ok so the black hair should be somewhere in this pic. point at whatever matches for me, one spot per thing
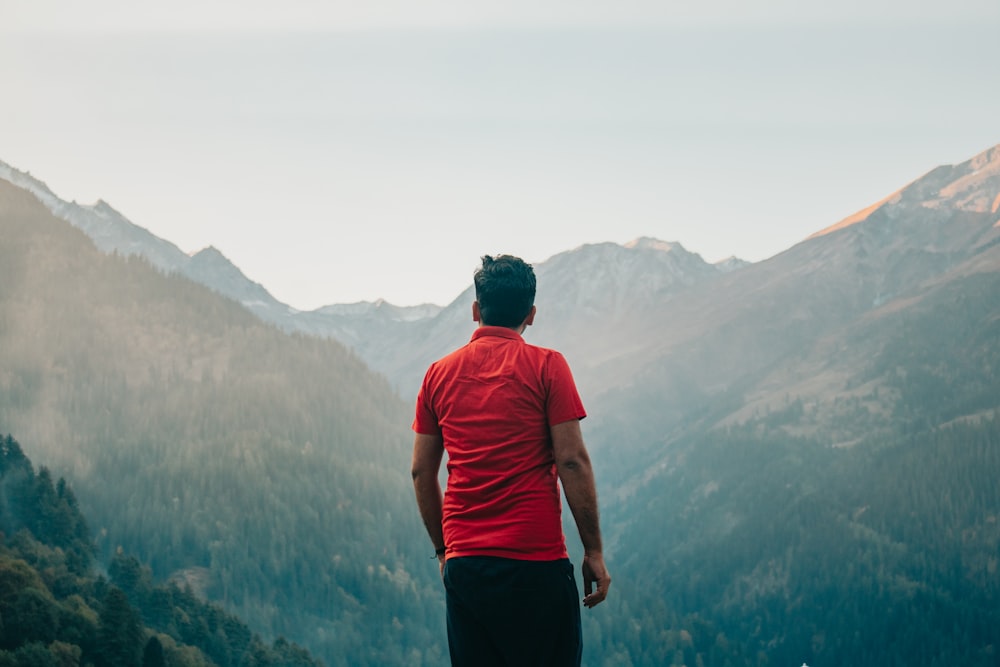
(505, 290)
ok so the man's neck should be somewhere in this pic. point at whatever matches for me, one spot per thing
(519, 330)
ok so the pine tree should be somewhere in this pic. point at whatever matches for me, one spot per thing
(120, 634)
(152, 655)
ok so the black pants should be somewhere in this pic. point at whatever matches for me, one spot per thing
(512, 613)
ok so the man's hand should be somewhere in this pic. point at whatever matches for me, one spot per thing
(577, 477)
(441, 564)
(594, 571)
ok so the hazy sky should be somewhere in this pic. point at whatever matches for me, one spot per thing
(340, 151)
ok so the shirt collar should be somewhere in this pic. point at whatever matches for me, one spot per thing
(499, 332)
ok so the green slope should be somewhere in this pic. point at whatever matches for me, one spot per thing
(268, 471)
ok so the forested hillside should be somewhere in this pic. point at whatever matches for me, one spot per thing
(881, 554)
(267, 471)
(57, 611)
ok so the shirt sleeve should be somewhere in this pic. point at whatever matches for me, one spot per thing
(425, 421)
(563, 400)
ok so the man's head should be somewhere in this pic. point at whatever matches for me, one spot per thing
(505, 291)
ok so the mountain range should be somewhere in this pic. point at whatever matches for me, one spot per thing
(112, 232)
(622, 278)
(795, 457)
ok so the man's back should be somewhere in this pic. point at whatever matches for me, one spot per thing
(492, 401)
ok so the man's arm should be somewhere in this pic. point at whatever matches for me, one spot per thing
(427, 453)
(577, 477)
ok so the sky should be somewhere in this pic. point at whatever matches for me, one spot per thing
(342, 151)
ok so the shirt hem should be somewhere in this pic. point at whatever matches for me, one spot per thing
(509, 554)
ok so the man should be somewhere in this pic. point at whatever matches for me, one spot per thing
(508, 414)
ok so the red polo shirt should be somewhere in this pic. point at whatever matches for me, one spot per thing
(493, 401)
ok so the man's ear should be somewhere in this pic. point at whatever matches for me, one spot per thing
(476, 317)
(530, 319)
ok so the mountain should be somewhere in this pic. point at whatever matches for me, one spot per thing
(649, 318)
(265, 471)
(588, 301)
(112, 232)
(618, 279)
(802, 453)
(619, 311)
(808, 321)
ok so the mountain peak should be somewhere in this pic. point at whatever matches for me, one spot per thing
(731, 263)
(650, 243)
(208, 252)
(988, 158)
(972, 186)
(104, 208)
